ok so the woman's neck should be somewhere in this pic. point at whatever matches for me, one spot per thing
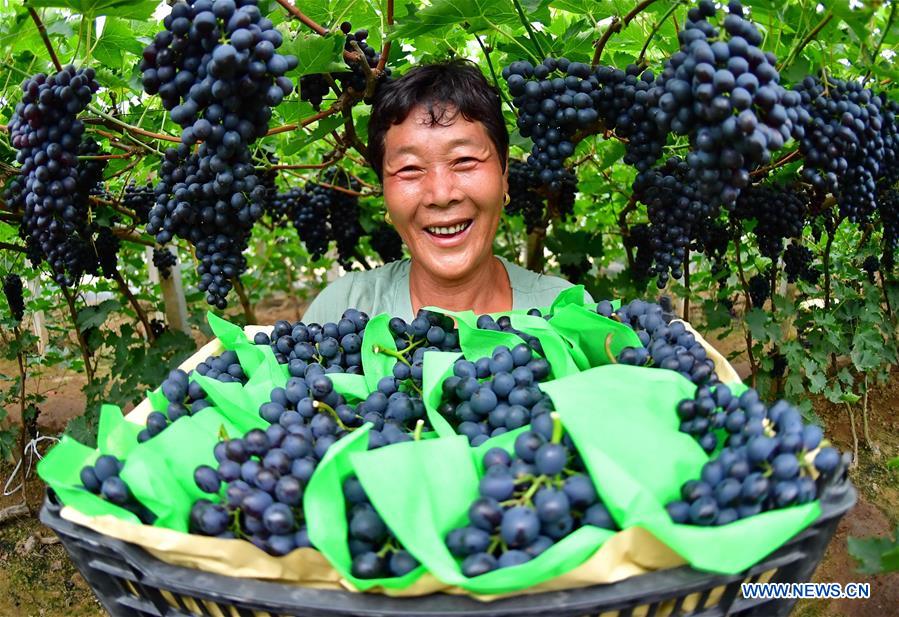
(485, 290)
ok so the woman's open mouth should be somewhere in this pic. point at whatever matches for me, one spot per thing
(448, 232)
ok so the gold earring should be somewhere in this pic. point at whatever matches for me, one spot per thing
(387, 218)
(506, 199)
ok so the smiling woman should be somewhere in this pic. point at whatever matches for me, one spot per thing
(439, 144)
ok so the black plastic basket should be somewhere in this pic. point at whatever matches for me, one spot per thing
(131, 582)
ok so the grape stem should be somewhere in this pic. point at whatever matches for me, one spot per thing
(608, 347)
(44, 37)
(527, 26)
(73, 313)
(248, 312)
(748, 304)
(557, 427)
(330, 410)
(617, 25)
(392, 353)
(318, 29)
(419, 425)
(805, 41)
(655, 29)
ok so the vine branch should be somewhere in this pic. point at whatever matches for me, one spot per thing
(85, 355)
(805, 41)
(293, 10)
(617, 25)
(44, 37)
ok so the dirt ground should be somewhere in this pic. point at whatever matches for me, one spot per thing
(38, 579)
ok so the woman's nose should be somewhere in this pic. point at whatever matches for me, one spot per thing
(441, 187)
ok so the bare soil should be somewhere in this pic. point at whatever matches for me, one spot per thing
(37, 579)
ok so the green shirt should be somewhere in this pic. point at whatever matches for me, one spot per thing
(386, 290)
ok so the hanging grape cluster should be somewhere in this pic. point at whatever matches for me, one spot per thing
(216, 69)
(555, 99)
(842, 140)
(325, 212)
(386, 242)
(315, 86)
(139, 199)
(164, 259)
(45, 131)
(798, 264)
(779, 213)
(12, 289)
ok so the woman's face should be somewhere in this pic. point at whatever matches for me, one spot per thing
(444, 186)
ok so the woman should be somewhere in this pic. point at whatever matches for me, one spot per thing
(439, 144)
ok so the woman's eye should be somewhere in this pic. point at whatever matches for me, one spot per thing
(466, 161)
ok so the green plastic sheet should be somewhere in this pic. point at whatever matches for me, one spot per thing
(586, 331)
(624, 423)
(423, 490)
(325, 510)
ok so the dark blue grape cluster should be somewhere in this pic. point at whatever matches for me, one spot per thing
(871, 265)
(524, 198)
(762, 465)
(45, 131)
(335, 346)
(102, 478)
(759, 289)
(555, 99)
(842, 139)
(186, 397)
(280, 206)
(889, 218)
(12, 289)
(666, 344)
(139, 199)
(386, 242)
(343, 213)
(164, 259)
(798, 264)
(376, 552)
(724, 93)
(494, 395)
(527, 501)
(216, 69)
(310, 213)
(779, 213)
(677, 213)
(624, 106)
(314, 87)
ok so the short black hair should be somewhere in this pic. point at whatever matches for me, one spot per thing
(444, 89)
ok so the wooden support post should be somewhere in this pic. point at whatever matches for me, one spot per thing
(172, 292)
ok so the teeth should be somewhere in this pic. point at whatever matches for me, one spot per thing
(446, 231)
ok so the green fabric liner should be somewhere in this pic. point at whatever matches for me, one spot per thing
(586, 330)
(638, 459)
(571, 296)
(558, 352)
(160, 471)
(423, 490)
(233, 338)
(61, 466)
(377, 365)
(158, 401)
(325, 510)
(352, 387)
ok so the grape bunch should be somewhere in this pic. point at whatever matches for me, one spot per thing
(666, 344)
(889, 218)
(386, 242)
(90, 171)
(315, 87)
(871, 265)
(759, 289)
(216, 217)
(677, 214)
(343, 213)
(429, 331)
(45, 131)
(574, 272)
(164, 259)
(310, 218)
(102, 478)
(779, 213)
(524, 198)
(841, 140)
(724, 93)
(280, 207)
(216, 69)
(12, 289)
(528, 500)
(335, 346)
(624, 105)
(798, 264)
(763, 464)
(494, 395)
(639, 239)
(140, 200)
(375, 550)
(555, 99)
